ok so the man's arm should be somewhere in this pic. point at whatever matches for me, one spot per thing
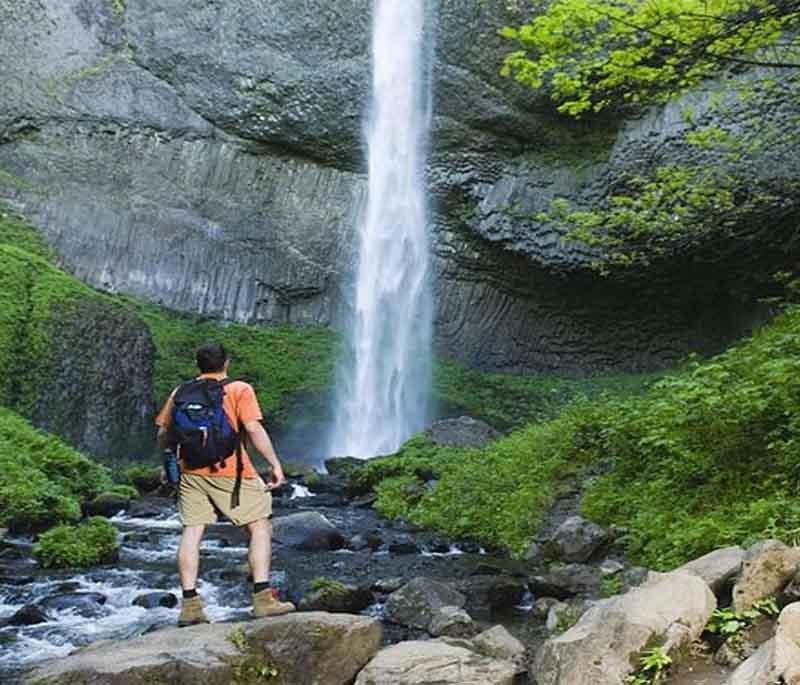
(163, 438)
(260, 439)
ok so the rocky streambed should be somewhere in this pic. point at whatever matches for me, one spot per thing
(46, 615)
(382, 603)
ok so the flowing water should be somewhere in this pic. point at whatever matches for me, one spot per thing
(384, 384)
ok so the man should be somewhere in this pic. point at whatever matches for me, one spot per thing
(205, 491)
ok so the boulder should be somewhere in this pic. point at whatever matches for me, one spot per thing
(29, 615)
(416, 603)
(717, 568)
(486, 593)
(452, 622)
(404, 544)
(576, 540)
(150, 507)
(86, 604)
(462, 432)
(154, 600)
(566, 580)
(778, 659)
(337, 598)
(388, 585)
(307, 530)
(602, 647)
(324, 649)
(435, 661)
(767, 569)
(106, 504)
(498, 643)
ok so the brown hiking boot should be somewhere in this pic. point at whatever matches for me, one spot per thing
(192, 612)
(265, 603)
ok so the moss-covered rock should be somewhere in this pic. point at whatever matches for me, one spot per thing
(44, 480)
(88, 544)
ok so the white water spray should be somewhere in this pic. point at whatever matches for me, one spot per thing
(384, 382)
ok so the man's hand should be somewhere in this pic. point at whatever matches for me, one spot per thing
(277, 479)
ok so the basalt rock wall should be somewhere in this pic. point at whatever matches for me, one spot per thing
(209, 157)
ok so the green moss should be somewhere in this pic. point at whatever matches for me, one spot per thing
(91, 543)
(279, 361)
(44, 480)
(328, 585)
(142, 477)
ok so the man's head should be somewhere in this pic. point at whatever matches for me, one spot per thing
(212, 358)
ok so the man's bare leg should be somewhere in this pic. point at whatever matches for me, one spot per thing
(189, 556)
(260, 554)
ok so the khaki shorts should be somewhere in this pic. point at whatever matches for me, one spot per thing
(201, 498)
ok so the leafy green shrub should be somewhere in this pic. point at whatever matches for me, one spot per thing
(397, 495)
(88, 544)
(44, 481)
(709, 457)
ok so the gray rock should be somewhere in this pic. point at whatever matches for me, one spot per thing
(314, 647)
(559, 618)
(106, 504)
(416, 603)
(154, 600)
(566, 580)
(452, 622)
(498, 643)
(487, 593)
(435, 661)
(86, 604)
(778, 659)
(717, 568)
(767, 569)
(307, 530)
(577, 540)
(29, 615)
(337, 598)
(601, 648)
(403, 544)
(389, 585)
(462, 432)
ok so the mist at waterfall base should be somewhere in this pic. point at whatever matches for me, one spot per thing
(384, 379)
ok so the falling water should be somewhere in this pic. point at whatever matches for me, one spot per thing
(384, 383)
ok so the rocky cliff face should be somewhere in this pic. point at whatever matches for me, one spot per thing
(208, 156)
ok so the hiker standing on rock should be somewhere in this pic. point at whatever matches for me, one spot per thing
(204, 422)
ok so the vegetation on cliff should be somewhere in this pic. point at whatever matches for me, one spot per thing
(618, 56)
(707, 457)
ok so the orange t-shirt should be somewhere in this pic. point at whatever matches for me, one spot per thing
(240, 405)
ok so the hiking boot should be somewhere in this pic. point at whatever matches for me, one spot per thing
(192, 612)
(265, 603)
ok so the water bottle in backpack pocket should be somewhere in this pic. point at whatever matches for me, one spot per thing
(202, 431)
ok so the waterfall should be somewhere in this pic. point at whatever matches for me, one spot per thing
(384, 381)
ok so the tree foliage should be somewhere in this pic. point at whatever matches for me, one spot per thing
(594, 54)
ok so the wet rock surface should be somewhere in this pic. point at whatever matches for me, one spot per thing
(242, 148)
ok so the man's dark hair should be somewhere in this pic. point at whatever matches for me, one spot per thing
(211, 358)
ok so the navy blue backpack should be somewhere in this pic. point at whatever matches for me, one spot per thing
(201, 429)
